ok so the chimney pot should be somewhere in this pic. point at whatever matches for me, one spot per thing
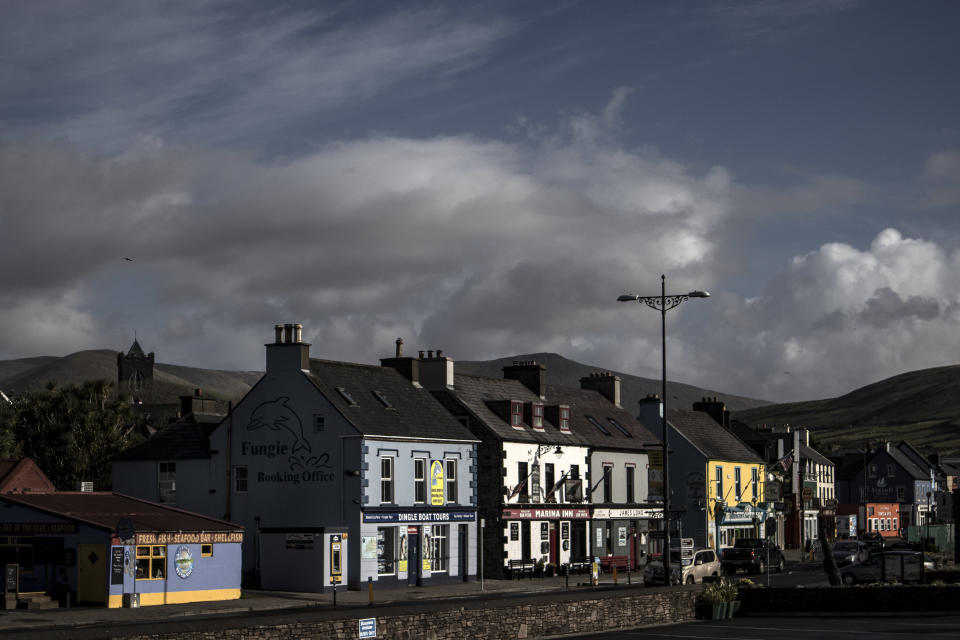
(399, 347)
(439, 353)
(288, 333)
(198, 392)
(298, 331)
(421, 355)
(429, 353)
(278, 329)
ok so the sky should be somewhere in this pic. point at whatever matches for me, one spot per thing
(486, 178)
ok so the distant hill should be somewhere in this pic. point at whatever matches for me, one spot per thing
(565, 372)
(170, 381)
(922, 407)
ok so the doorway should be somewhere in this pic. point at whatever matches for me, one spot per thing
(462, 551)
(554, 550)
(92, 573)
(413, 553)
(525, 539)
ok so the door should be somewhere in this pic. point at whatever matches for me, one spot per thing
(554, 551)
(92, 573)
(462, 552)
(578, 551)
(413, 553)
(525, 539)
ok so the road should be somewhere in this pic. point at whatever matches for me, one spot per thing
(900, 626)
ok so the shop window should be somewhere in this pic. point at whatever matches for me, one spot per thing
(152, 562)
(240, 478)
(439, 548)
(16, 550)
(386, 551)
(386, 480)
(167, 481)
(206, 551)
(419, 480)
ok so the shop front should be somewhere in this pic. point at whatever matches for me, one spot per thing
(556, 536)
(743, 521)
(625, 532)
(417, 547)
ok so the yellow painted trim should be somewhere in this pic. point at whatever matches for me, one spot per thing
(178, 597)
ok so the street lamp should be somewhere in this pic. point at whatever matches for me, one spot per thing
(664, 303)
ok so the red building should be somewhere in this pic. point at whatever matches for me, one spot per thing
(884, 518)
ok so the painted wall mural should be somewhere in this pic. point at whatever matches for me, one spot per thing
(291, 445)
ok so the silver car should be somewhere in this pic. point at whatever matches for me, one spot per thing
(850, 552)
(901, 566)
(702, 562)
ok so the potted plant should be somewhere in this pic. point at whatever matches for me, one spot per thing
(721, 596)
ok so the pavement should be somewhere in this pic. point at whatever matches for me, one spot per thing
(13, 622)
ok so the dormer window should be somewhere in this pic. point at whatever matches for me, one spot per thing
(536, 420)
(564, 418)
(516, 414)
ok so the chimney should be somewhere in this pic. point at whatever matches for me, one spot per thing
(651, 412)
(532, 375)
(409, 368)
(292, 354)
(715, 409)
(436, 371)
(606, 383)
(192, 404)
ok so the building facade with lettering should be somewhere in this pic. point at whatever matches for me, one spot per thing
(319, 448)
(108, 549)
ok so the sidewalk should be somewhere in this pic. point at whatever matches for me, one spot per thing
(254, 601)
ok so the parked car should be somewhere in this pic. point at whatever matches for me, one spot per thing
(902, 566)
(850, 552)
(752, 554)
(873, 540)
(690, 571)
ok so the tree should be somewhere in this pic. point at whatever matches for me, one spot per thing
(73, 432)
(829, 562)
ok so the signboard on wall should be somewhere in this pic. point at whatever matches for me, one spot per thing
(436, 484)
(116, 565)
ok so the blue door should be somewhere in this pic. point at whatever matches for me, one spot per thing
(413, 553)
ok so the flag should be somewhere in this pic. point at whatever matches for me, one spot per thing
(785, 461)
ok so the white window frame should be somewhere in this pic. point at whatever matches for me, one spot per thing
(451, 482)
(387, 480)
(419, 480)
(237, 478)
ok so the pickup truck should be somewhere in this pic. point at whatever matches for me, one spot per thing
(751, 554)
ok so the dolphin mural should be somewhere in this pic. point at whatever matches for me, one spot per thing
(277, 415)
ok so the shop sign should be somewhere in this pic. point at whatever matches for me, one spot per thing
(183, 562)
(627, 514)
(546, 514)
(116, 564)
(437, 497)
(14, 528)
(419, 516)
(204, 537)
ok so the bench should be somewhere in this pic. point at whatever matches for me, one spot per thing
(521, 568)
(608, 563)
(578, 566)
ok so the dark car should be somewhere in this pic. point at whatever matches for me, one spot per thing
(874, 540)
(850, 552)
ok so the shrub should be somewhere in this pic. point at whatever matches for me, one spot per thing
(717, 592)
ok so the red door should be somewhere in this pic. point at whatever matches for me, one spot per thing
(554, 551)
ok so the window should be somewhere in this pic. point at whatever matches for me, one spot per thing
(597, 424)
(346, 396)
(736, 483)
(901, 494)
(206, 551)
(151, 562)
(167, 481)
(318, 423)
(451, 481)
(516, 414)
(537, 417)
(386, 551)
(718, 482)
(438, 548)
(535, 483)
(386, 479)
(620, 427)
(564, 418)
(631, 496)
(870, 511)
(755, 483)
(891, 470)
(608, 483)
(522, 478)
(549, 480)
(419, 480)
(17, 550)
(240, 478)
(895, 523)
(383, 399)
(872, 470)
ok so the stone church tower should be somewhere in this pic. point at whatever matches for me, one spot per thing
(135, 374)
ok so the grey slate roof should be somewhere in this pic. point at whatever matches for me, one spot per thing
(414, 412)
(908, 465)
(809, 453)
(475, 392)
(185, 439)
(585, 403)
(710, 438)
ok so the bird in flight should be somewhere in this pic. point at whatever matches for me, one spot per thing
(129, 259)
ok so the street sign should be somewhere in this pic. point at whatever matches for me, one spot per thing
(368, 628)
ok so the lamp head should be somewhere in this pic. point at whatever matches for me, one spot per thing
(628, 297)
(698, 294)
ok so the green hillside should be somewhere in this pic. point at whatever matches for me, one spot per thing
(922, 407)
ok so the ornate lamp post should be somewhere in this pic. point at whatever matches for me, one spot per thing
(664, 303)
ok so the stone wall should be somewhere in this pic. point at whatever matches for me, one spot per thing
(504, 620)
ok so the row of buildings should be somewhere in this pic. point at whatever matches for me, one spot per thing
(411, 473)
